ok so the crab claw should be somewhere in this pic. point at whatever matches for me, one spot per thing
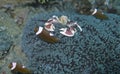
(68, 32)
(78, 26)
(49, 27)
(55, 19)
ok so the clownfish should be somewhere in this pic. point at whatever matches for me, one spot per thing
(18, 68)
(98, 14)
(45, 35)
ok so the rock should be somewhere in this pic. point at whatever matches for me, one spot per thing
(2, 28)
(4, 3)
(5, 44)
(20, 15)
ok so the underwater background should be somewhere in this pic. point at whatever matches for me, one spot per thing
(92, 48)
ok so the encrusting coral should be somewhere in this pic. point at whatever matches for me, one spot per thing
(6, 42)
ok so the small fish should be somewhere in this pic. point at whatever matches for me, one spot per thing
(15, 67)
(99, 14)
(45, 35)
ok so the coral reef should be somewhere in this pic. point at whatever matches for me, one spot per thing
(95, 50)
(110, 6)
(43, 1)
(6, 41)
(10, 49)
(14, 2)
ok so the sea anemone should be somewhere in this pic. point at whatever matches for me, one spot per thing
(94, 50)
